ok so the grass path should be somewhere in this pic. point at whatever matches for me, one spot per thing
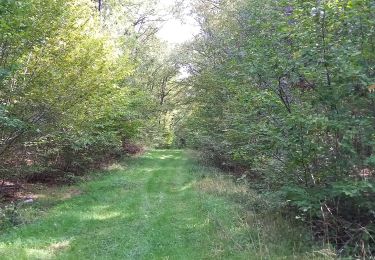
(159, 206)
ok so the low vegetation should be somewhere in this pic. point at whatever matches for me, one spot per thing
(160, 205)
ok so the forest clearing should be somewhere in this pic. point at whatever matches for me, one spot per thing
(248, 127)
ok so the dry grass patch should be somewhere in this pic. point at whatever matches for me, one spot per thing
(221, 186)
(70, 193)
(115, 167)
(59, 246)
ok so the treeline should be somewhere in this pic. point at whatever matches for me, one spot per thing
(281, 90)
(73, 84)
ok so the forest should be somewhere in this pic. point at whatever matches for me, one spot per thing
(277, 94)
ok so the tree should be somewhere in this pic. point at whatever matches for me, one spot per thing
(280, 87)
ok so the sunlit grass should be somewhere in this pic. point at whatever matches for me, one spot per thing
(160, 206)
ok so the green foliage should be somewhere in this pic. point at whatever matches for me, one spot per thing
(9, 216)
(281, 88)
(278, 89)
(65, 101)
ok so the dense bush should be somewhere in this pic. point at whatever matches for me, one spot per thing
(282, 89)
(68, 100)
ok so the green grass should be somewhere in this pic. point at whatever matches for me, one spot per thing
(161, 205)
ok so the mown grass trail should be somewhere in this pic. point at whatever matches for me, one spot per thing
(159, 206)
